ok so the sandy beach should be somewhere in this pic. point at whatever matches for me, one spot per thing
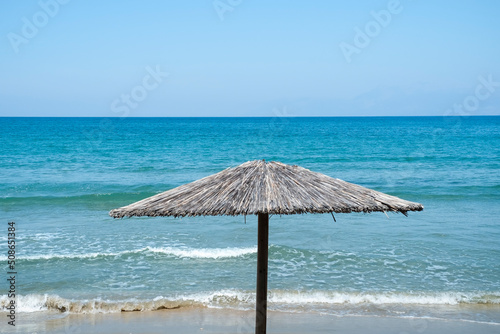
(207, 320)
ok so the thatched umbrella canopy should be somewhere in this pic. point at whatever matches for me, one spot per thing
(262, 188)
(265, 187)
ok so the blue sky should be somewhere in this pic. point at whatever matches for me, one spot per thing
(249, 58)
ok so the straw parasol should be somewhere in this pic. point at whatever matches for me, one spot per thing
(265, 188)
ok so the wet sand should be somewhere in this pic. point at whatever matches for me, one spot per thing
(229, 321)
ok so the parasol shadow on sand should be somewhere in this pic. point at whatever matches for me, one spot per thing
(265, 188)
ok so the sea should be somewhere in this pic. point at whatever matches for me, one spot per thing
(59, 178)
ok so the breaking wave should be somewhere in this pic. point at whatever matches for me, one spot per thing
(37, 303)
(245, 300)
(197, 253)
(205, 253)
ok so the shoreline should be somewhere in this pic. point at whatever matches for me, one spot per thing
(212, 320)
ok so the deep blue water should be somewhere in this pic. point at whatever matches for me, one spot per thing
(61, 176)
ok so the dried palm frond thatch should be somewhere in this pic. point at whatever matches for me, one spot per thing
(265, 187)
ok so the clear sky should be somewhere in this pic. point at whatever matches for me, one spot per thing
(249, 58)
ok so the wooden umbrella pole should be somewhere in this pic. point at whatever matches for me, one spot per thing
(262, 259)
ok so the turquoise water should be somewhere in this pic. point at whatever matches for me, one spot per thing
(61, 176)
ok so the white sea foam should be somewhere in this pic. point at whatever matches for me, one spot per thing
(202, 253)
(416, 298)
(246, 299)
(40, 303)
(69, 256)
(354, 298)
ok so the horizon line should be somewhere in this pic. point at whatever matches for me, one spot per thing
(289, 116)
